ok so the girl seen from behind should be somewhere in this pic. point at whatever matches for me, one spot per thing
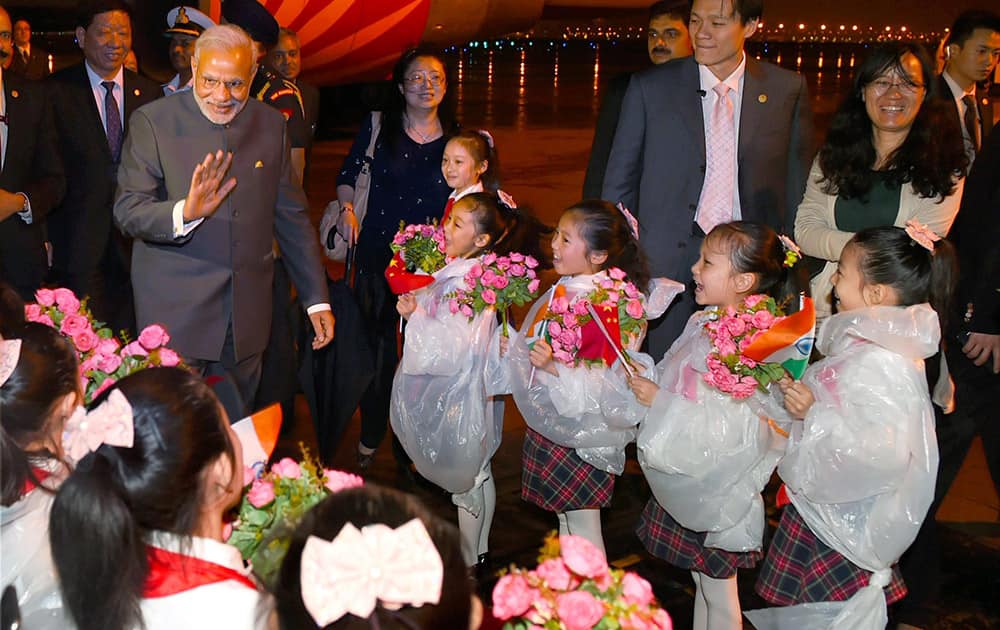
(373, 557)
(39, 389)
(136, 530)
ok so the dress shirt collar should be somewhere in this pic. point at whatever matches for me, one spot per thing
(956, 90)
(96, 80)
(475, 188)
(708, 80)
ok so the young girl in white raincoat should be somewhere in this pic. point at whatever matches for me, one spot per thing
(860, 468)
(581, 417)
(440, 409)
(706, 454)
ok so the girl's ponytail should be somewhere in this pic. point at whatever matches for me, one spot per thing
(605, 228)
(97, 547)
(16, 469)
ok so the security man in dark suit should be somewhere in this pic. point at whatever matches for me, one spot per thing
(31, 175)
(29, 60)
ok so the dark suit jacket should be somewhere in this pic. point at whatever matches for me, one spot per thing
(37, 66)
(982, 105)
(80, 226)
(222, 271)
(32, 166)
(657, 164)
(976, 236)
(604, 135)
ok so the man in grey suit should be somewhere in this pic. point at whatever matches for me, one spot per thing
(720, 118)
(202, 261)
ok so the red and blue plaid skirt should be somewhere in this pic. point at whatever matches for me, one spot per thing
(800, 568)
(665, 538)
(554, 477)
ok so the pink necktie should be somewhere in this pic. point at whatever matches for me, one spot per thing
(716, 203)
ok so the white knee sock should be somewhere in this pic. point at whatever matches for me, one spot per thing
(700, 607)
(475, 530)
(586, 524)
(489, 507)
(723, 602)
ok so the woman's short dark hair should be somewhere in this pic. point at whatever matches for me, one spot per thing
(755, 248)
(117, 495)
(46, 372)
(369, 505)
(930, 159)
(887, 255)
(395, 108)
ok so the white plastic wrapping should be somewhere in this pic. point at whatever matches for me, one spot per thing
(861, 468)
(439, 408)
(26, 561)
(589, 409)
(706, 455)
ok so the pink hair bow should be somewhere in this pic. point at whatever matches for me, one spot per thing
(359, 568)
(922, 234)
(633, 223)
(10, 352)
(110, 423)
(506, 199)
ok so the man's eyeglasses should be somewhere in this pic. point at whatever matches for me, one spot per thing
(881, 86)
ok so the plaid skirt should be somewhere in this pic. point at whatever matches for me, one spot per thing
(800, 568)
(665, 538)
(554, 478)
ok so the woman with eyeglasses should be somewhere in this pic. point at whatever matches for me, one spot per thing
(406, 185)
(892, 154)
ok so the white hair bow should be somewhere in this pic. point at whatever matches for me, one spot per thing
(110, 423)
(359, 568)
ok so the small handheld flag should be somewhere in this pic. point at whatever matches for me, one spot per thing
(789, 342)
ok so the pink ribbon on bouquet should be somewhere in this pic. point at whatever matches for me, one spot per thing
(110, 423)
(359, 568)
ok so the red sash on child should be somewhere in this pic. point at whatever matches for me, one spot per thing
(40, 476)
(171, 573)
(447, 210)
(781, 499)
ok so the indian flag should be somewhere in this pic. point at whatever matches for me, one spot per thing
(258, 434)
(789, 342)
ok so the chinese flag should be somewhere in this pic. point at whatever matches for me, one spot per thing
(402, 281)
(594, 345)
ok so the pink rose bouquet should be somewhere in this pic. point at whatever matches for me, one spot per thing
(732, 330)
(573, 588)
(574, 335)
(421, 246)
(273, 503)
(497, 282)
(103, 358)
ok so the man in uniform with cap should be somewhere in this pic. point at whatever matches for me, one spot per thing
(184, 25)
(268, 86)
